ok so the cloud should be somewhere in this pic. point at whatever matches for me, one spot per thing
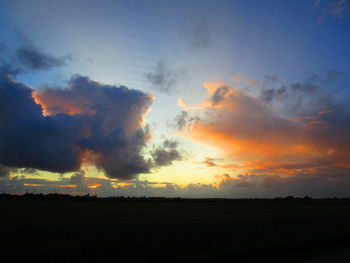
(88, 185)
(308, 97)
(23, 56)
(183, 120)
(166, 153)
(332, 8)
(210, 162)
(270, 94)
(60, 130)
(225, 186)
(78, 178)
(5, 171)
(28, 171)
(270, 186)
(163, 78)
(339, 7)
(300, 129)
(34, 59)
(28, 139)
(199, 34)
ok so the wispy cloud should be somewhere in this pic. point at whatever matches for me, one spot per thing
(34, 59)
(199, 34)
(24, 56)
(336, 9)
(183, 120)
(163, 78)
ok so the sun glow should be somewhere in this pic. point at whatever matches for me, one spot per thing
(93, 186)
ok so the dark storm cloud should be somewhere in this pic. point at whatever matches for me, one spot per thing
(166, 153)
(113, 116)
(123, 159)
(163, 78)
(32, 58)
(85, 122)
(6, 171)
(28, 139)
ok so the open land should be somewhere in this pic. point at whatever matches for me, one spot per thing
(58, 228)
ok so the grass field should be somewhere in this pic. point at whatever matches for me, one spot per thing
(146, 230)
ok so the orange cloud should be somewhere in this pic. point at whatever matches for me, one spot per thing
(121, 184)
(218, 92)
(33, 185)
(93, 186)
(264, 141)
(53, 104)
(66, 186)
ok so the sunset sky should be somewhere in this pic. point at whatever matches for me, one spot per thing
(236, 99)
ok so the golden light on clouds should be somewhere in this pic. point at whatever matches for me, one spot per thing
(93, 186)
(260, 140)
(52, 104)
(66, 186)
(33, 185)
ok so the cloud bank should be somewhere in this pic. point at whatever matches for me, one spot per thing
(225, 186)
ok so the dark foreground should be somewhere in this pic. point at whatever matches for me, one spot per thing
(63, 229)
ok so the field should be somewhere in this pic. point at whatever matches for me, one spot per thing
(63, 229)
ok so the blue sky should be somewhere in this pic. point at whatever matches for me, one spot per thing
(171, 48)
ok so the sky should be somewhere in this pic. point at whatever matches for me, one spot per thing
(233, 99)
